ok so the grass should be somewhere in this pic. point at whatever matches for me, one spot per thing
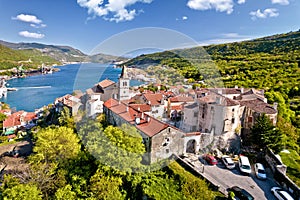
(292, 161)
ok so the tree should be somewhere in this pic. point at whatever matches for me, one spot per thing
(121, 148)
(56, 144)
(105, 187)
(65, 193)
(22, 192)
(264, 134)
(65, 118)
(2, 118)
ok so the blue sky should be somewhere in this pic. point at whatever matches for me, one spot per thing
(84, 24)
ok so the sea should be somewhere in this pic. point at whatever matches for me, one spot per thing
(34, 92)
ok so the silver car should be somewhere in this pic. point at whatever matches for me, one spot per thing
(228, 162)
(281, 194)
(260, 171)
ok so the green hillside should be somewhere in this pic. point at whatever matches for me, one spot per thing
(30, 58)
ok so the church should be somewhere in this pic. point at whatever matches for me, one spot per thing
(95, 97)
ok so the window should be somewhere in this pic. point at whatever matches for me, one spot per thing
(193, 128)
(195, 114)
(166, 142)
(124, 83)
(167, 150)
(250, 119)
(232, 120)
(232, 109)
(169, 130)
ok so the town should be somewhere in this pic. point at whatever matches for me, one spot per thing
(195, 126)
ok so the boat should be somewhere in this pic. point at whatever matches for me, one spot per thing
(11, 89)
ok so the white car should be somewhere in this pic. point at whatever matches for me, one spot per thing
(260, 171)
(228, 162)
(281, 194)
(244, 165)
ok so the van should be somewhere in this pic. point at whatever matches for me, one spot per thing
(244, 165)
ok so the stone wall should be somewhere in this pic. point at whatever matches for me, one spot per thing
(279, 169)
(169, 141)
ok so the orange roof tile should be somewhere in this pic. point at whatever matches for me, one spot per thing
(181, 99)
(150, 128)
(154, 99)
(105, 83)
(141, 107)
(259, 106)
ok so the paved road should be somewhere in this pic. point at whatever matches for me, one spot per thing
(226, 178)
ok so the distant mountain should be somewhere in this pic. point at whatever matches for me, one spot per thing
(28, 58)
(59, 53)
(62, 54)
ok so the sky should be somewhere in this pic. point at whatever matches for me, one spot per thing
(83, 24)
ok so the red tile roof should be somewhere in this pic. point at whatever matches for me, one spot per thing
(178, 107)
(212, 98)
(154, 99)
(68, 100)
(181, 99)
(105, 83)
(141, 107)
(259, 106)
(150, 128)
(15, 118)
(192, 134)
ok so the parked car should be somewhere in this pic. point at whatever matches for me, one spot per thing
(260, 171)
(210, 159)
(240, 193)
(244, 165)
(281, 194)
(228, 162)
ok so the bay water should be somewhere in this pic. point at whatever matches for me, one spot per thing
(34, 92)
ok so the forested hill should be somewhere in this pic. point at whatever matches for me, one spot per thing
(29, 58)
(280, 43)
(59, 53)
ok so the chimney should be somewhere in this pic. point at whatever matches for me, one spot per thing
(127, 108)
(139, 109)
(142, 115)
(242, 90)
(137, 120)
(149, 102)
(275, 105)
(147, 118)
(220, 91)
(236, 87)
(218, 100)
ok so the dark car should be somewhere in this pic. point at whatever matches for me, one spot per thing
(210, 159)
(240, 193)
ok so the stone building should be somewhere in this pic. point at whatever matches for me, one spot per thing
(161, 140)
(223, 114)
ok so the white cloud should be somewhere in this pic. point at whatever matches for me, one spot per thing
(184, 17)
(241, 1)
(269, 12)
(38, 25)
(31, 35)
(28, 18)
(281, 2)
(218, 5)
(226, 38)
(114, 10)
